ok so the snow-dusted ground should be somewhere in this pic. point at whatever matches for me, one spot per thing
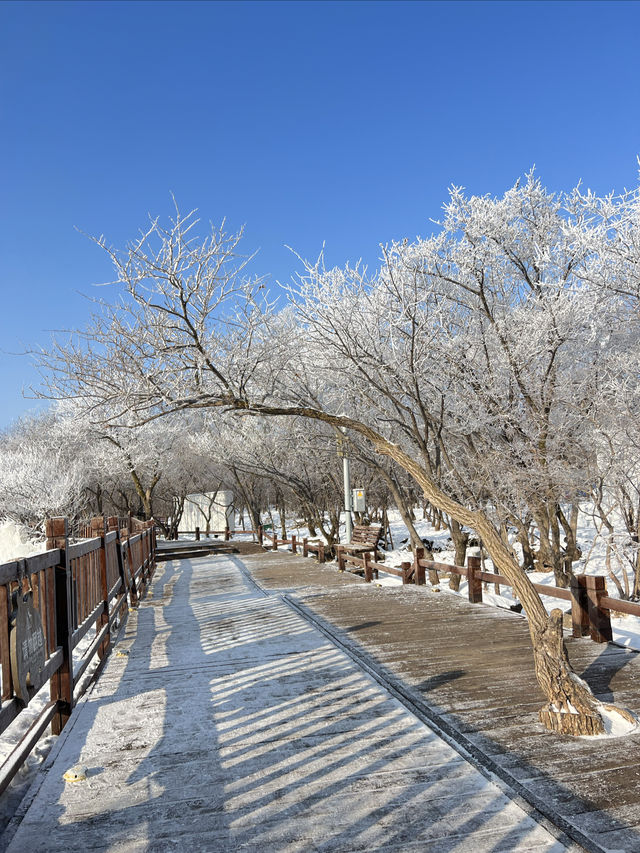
(276, 741)
(15, 543)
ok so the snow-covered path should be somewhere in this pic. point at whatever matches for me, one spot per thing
(230, 723)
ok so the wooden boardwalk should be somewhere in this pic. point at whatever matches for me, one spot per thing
(225, 721)
(471, 668)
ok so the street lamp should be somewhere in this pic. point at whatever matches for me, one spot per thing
(346, 473)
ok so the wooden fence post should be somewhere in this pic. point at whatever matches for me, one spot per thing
(368, 571)
(599, 617)
(474, 567)
(342, 563)
(321, 557)
(124, 566)
(227, 534)
(305, 547)
(99, 529)
(146, 551)
(62, 681)
(406, 571)
(144, 554)
(275, 540)
(154, 544)
(260, 534)
(294, 544)
(579, 606)
(197, 534)
(419, 572)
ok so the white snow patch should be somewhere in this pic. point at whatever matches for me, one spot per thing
(615, 725)
(18, 541)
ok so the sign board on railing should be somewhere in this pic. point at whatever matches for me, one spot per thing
(27, 648)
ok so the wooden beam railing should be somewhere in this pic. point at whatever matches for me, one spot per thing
(306, 546)
(227, 533)
(49, 603)
(590, 605)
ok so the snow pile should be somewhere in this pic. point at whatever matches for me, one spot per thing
(615, 723)
(17, 541)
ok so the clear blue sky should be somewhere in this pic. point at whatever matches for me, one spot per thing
(331, 122)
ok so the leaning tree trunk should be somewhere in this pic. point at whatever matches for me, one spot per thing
(571, 706)
(405, 513)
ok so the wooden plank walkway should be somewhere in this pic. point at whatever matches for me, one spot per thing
(471, 667)
(227, 722)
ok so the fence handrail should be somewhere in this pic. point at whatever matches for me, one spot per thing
(68, 589)
(590, 605)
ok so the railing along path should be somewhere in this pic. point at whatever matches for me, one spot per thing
(590, 605)
(50, 602)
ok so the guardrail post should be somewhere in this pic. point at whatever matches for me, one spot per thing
(124, 563)
(227, 534)
(294, 544)
(474, 566)
(197, 534)
(150, 548)
(154, 544)
(406, 571)
(368, 571)
(579, 606)
(321, 557)
(599, 617)
(418, 570)
(99, 529)
(342, 563)
(274, 547)
(62, 681)
(143, 556)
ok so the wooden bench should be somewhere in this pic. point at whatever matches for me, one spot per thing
(364, 539)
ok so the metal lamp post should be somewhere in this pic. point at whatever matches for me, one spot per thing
(346, 473)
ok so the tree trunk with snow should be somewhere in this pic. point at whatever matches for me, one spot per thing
(571, 706)
(460, 539)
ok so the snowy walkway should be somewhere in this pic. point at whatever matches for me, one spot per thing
(233, 724)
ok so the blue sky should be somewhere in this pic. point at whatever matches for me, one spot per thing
(310, 123)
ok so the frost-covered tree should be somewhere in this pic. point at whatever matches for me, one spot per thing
(471, 359)
(42, 470)
(608, 232)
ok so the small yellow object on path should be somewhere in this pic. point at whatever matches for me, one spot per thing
(78, 773)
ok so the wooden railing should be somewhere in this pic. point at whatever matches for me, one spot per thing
(590, 605)
(227, 533)
(49, 603)
(307, 546)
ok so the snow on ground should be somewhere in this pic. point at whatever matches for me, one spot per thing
(11, 798)
(17, 542)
